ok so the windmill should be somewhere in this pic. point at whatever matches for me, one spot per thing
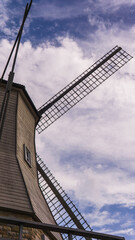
(28, 188)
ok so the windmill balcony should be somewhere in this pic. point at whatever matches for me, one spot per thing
(44, 228)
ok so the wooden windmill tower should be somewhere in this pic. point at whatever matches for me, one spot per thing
(28, 190)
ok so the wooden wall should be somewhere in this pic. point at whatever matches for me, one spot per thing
(13, 194)
(26, 135)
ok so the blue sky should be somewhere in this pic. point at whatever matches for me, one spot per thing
(91, 149)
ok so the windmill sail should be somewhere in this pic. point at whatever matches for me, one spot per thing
(62, 208)
(81, 86)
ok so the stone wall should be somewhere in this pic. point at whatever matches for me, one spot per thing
(11, 232)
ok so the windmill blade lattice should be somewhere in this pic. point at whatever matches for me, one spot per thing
(82, 86)
(62, 208)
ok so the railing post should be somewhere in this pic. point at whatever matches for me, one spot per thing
(42, 237)
(20, 231)
(69, 236)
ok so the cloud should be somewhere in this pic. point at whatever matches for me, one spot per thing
(4, 16)
(116, 220)
(10, 19)
(111, 186)
(128, 231)
(114, 5)
(55, 11)
(100, 219)
(50, 73)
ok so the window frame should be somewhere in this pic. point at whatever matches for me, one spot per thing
(27, 155)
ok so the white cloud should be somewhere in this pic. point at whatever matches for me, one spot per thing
(54, 11)
(98, 187)
(100, 219)
(49, 68)
(8, 18)
(128, 231)
(89, 8)
(4, 17)
(113, 5)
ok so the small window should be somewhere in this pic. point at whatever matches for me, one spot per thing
(27, 155)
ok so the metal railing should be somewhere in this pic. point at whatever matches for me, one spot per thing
(54, 228)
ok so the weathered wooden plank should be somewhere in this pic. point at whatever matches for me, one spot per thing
(15, 207)
(13, 193)
(26, 122)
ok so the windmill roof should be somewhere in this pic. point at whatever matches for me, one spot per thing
(23, 88)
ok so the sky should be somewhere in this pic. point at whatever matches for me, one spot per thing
(90, 150)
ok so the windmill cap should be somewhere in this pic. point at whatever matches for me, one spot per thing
(24, 91)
